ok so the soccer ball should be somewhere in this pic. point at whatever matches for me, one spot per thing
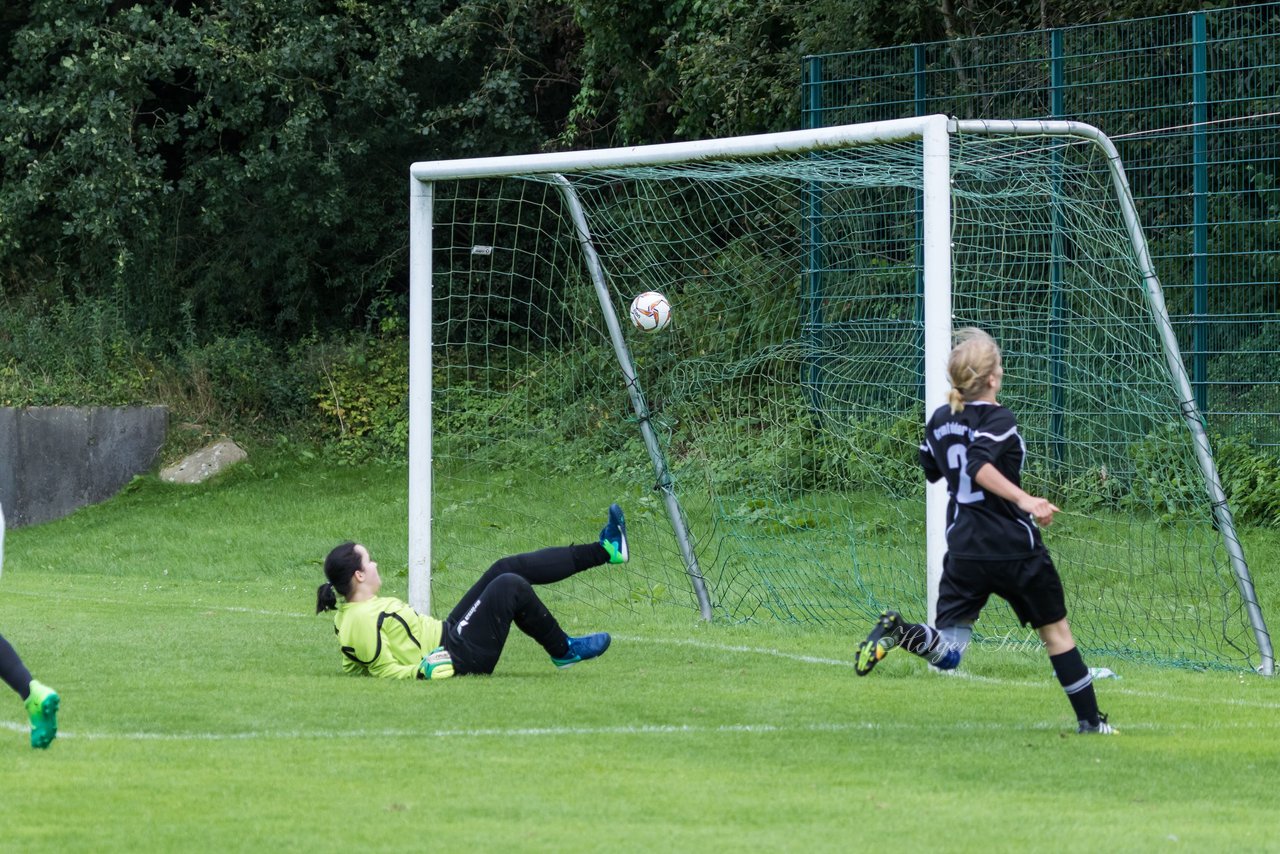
(650, 311)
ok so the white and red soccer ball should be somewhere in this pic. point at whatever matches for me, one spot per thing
(650, 312)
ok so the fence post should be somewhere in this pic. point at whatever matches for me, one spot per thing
(1057, 308)
(1200, 212)
(812, 111)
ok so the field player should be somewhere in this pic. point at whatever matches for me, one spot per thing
(382, 636)
(993, 542)
(40, 700)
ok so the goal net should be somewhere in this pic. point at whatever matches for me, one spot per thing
(764, 445)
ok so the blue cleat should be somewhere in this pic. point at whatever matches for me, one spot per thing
(614, 537)
(580, 649)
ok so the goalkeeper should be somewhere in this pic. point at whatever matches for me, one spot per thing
(993, 542)
(382, 636)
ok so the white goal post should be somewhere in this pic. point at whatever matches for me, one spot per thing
(935, 135)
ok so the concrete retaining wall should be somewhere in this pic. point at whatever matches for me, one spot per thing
(55, 459)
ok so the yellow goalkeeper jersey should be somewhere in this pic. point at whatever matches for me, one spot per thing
(384, 637)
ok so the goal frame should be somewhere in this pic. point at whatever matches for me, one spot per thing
(934, 133)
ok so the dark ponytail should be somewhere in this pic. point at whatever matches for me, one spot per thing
(326, 598)
(339, 566)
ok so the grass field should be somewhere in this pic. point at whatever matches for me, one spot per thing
(204, 710)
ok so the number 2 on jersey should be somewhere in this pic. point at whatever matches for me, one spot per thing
(957, 457)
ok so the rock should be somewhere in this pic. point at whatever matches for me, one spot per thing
(204, 463)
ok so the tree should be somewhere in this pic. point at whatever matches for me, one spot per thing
(215, 165)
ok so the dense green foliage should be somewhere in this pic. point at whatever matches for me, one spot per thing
(703, 68)
(203, 203)
(215, 166)
(210, 166)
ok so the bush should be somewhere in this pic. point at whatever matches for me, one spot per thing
(362, 393)
(1250, 479)
(65, 352)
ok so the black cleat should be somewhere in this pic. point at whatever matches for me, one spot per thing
(1101, 728)
(886, 634)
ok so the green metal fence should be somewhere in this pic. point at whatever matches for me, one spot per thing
(1193, 104)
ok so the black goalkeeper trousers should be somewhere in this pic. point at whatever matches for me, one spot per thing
(476, 629)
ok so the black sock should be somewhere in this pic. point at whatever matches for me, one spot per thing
(1076, 681)
(588, 555)
(13, 671)
(919, 639)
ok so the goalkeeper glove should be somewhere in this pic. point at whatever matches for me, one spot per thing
(436, 665)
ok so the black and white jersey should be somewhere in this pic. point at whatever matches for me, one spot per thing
(980, 526)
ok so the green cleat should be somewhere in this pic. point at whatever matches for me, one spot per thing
(883, 637)
(42, 707)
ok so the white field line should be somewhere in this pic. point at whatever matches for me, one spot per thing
(489, 732)
(160, 603)
(629, 730)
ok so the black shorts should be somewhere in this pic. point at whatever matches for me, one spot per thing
(1031, 585)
